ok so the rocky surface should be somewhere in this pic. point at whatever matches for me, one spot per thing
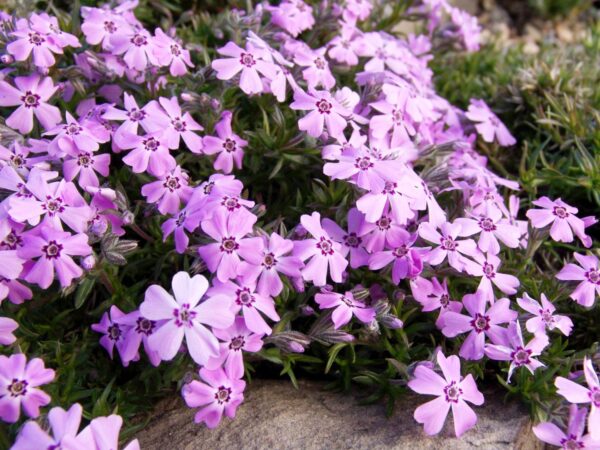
(276, 416)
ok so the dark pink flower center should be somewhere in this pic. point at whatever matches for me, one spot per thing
(145, 326)
(390, 187)
(323, 106)
(172, 183)
(398, 116)
(571, 443)
(223, 395)
(114, 332)
(12, 241)
(17, 388)
(595, 396)
(593, 276)
(72, 129)
(237, 343)
(269, 261)
(401, 251)
(247, 59)
(85, 160)
(363, 163)
(136, 114)
(36, 38)
(184, 316)
(53, 205)
(52, 250)
(452, 392)
(18, 161)
(30, 100)
(229, 245)
(546, 316)
(229, 145)
(175, 50)
(521, 356)
(231, 203)
(320, 64)
(448, 244)
(560, 212)
(352, 240)
(444, 300)
(244, 297)
(208, 187)
(385, 223)
(487, 224)
(139, 40)
(180, 218)
(179, 125)
(151, 144)
(488, 270)
(325, 245)
(109, 26)
(480, 323)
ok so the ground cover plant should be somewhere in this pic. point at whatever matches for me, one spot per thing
(195, 195)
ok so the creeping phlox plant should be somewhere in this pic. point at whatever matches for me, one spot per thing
(110, 131)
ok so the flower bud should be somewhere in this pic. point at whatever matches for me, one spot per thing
(7, 59)
(127, 218)
(89, 262)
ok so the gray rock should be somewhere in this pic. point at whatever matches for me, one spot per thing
(277, 416)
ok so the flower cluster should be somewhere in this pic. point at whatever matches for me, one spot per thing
(423, 209)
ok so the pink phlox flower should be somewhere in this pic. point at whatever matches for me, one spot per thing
(350, 240)
(224, 256)
(228, 145)
(236, 339)
(516, 351)
(148, 153)
(488, 125)
(323, 254)
(84, 166)
(316, 72)
(276, 258)
(543, 316)
(469, 30)
(395, 199)
(487, 202)
(588, 273)
(294, 16)
(170, 52)
(479, 323)
(7, 327)
(452, 392)
(491, 229)
(487, 267)
(136, 46)
(63, 424)
(101, 434)
(345, 306)
(31, 95)
(573, 438)
(406, 260)
(169, 191)
(218, 393)
(54, 250)
(575, 393)
(433, 295)
(245, 298)
(99, 25)
(324, 112)
(75, 136)
(185, 315)
(114, 333)
(57, 202)
(132, 117)
(343, 48)
(136, 329)
(333, 151)
(364, 169)
(563, 219)
(11, 264)
(448, 246)
(19, 382)
(251, 62)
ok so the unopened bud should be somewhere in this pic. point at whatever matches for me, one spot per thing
(89, 262)
(127, 218)
(99, 227)
(7, 59)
